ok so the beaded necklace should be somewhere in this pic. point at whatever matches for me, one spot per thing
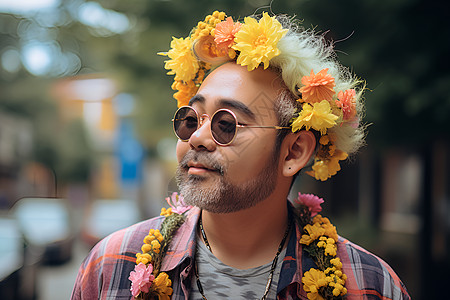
(272, 268)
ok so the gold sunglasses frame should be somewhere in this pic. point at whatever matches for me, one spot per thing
(201, 118)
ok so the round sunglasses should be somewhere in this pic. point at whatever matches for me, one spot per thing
(224, 124)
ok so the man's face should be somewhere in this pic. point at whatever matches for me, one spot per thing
(230, 178)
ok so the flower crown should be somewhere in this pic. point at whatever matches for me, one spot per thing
(216, 40)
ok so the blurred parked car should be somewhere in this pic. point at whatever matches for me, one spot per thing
(104, 216)
(47, 224)
(18, 262)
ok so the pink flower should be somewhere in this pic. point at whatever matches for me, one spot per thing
(347, 103)
(225, 32)
(311, 201)
(141, 279)
(177, 203)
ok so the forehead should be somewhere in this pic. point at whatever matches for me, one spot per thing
(255, 89)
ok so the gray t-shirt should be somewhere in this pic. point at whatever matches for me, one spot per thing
(220, 281)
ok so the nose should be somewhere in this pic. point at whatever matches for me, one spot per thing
(202, 139)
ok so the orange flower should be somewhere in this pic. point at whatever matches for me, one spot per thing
(185, 91)
(225, 32)
(317, 87)
(347, 103)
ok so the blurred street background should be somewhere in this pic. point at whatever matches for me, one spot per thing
(86, 143)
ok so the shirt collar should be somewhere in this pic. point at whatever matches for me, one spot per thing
(182, 245)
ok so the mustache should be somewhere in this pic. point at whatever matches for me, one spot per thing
(203, 158)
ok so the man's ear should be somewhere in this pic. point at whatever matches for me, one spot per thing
(296, 150)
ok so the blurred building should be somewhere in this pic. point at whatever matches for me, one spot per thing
(16, 143)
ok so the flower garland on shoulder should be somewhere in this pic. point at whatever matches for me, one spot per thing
(319, 238)
(147, 282)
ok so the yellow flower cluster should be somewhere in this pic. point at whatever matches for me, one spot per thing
(321, 227)
(336, 278)
(166, 212)
(328, 244)
(328, 280)
(206, 27)
(326, 162)
(256, 42)
(152, 244)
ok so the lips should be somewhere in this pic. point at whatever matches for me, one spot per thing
(196, 168)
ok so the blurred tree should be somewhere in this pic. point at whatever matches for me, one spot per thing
(394, 45)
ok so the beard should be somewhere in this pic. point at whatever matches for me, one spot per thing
(221, 196)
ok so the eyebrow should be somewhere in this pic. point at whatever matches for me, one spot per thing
(227, 103)
(239, 106)
(195, 99)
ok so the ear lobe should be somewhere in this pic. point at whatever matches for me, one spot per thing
(298, 150)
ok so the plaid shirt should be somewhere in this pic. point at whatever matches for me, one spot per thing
(104, 273)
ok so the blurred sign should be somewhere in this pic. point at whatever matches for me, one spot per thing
(130, 152)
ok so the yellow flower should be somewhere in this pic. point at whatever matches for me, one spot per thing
(324, 169)
(156, 246)
(257, 41)
(319, 117)
(324, 140)
(149, 238)
(146, 248)
(339, 290)
(321, 220)
(333, 164)
(313, 280)
(336, 262)
(185, 91)
(314, 232)
(320, 170)
(144, 258)
(159, 237)
(330, 250)
(162, 286)
(182, 61)
(330, 231)
(166, 212)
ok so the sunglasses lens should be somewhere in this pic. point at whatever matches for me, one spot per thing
(185, 123)
(223, 127)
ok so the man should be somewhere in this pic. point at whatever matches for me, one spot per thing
(274, 100)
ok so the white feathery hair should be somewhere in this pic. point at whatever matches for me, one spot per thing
(304, 50)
